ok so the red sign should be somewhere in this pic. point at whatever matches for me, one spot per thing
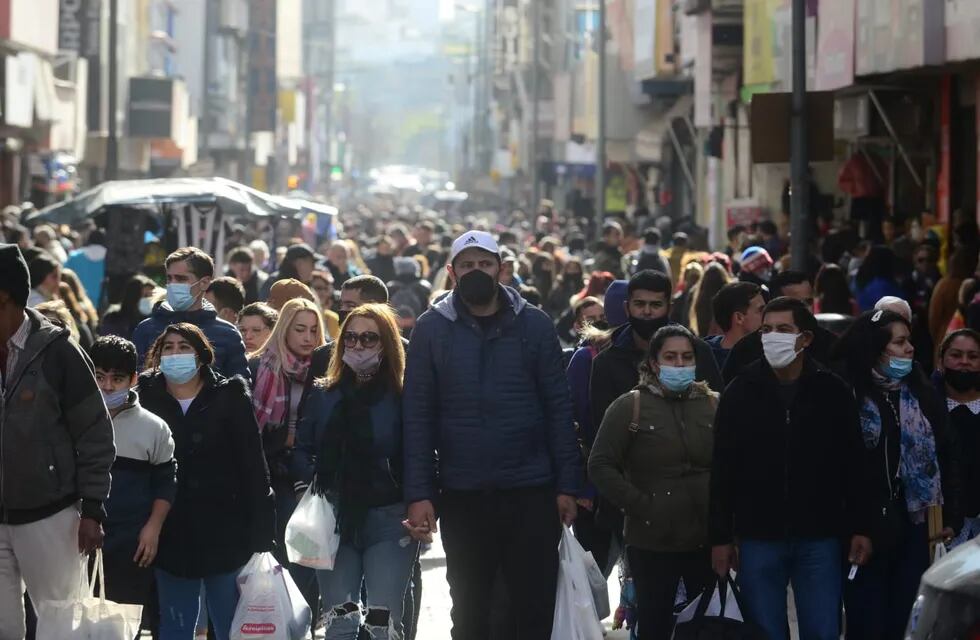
(258, 629)
(744, 212)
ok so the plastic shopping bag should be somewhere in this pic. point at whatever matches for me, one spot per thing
(597, 582)
(716, 615)
(87, 617)
(311, 536)
(261, 612)
(296, 610)
(940, 552)
(575, 610)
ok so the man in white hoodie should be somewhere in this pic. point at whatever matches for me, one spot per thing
(89, 264)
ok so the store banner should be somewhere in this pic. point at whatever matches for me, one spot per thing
(262, 82)
(759, 41)
(18, 102)
(835, 44)
(703, 71)
(644, 39)
(893, 35)
(962, 29)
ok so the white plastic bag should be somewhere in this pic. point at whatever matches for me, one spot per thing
(311, 536)
(575, 610)
(713, 610)
(597, 582)
(296, 610)
(940, 552)
(261, 612)
(87, 617)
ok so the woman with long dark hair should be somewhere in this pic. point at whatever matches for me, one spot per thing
(223, 512)
(135, 307)
(349, 448)
(702, 316)
(910, 461)
(831, 293)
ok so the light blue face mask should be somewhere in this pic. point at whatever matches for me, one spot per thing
(179, 368)
(896, 368)
(115, 399)
(676, 379)
(179, 295)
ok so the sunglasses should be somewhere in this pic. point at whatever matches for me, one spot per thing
(368, 339)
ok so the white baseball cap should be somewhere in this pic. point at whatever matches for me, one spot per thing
(474, 240)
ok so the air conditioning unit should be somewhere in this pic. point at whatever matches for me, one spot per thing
(852, 117)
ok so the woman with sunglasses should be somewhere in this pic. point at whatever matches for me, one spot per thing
(223, 511)
(349, 446)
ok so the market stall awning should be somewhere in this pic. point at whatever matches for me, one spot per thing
(232, 197)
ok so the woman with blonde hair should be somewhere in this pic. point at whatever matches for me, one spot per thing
(349, 448)
(279, 369)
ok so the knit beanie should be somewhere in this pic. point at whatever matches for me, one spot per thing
(755, 260)
(15, 278)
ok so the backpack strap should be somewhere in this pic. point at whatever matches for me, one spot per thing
(635, 421)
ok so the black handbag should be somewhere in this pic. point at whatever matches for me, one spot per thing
(716, 627)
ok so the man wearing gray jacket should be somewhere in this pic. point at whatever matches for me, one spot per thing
(56, 449)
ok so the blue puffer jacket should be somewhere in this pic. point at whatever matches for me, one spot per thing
(229, 350)
(495, 405)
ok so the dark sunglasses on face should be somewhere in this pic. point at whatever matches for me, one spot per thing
(368, 339)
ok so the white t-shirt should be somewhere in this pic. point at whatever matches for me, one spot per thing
(185, 404)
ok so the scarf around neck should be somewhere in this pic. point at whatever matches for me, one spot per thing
(344, 469)
(918, 464)
(271, 396)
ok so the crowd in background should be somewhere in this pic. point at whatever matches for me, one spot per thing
(223, 359)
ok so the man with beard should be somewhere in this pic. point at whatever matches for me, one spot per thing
(615, 371)
(488, 436)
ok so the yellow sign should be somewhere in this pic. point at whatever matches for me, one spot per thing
(287, 105)
(759, 41)
(616, 193)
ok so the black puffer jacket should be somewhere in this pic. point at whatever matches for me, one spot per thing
(224, 510)
(779, 474)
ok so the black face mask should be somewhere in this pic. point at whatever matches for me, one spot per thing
(477, 288)
(646, 327)
(962, 381)
(601, 325)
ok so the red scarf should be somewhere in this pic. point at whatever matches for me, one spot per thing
(271, 393)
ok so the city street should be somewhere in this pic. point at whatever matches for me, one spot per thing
(434, 622)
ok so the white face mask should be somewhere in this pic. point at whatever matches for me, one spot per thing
(780, 349)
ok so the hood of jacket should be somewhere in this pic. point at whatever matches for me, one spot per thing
(43, 333)
(446, 307)
(165, 313)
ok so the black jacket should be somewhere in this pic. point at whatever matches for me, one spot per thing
(616, 370)
(224, 510)
(779, 474)
(749, 349)
(883, 461)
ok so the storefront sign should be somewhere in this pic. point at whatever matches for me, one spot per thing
(262, 84)
(835, 46)
(151, 104)
(899, 34)
(759, 43)
(962, 29)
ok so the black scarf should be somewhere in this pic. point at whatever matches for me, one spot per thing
(343, 471)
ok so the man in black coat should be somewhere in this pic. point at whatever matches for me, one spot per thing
(789, 480)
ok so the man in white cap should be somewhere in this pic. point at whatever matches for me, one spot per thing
(489, 439)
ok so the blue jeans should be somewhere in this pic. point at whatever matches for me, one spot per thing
(180, 604)
(813, 566)
(382, 557)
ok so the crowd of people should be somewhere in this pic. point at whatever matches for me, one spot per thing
(687, 412)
